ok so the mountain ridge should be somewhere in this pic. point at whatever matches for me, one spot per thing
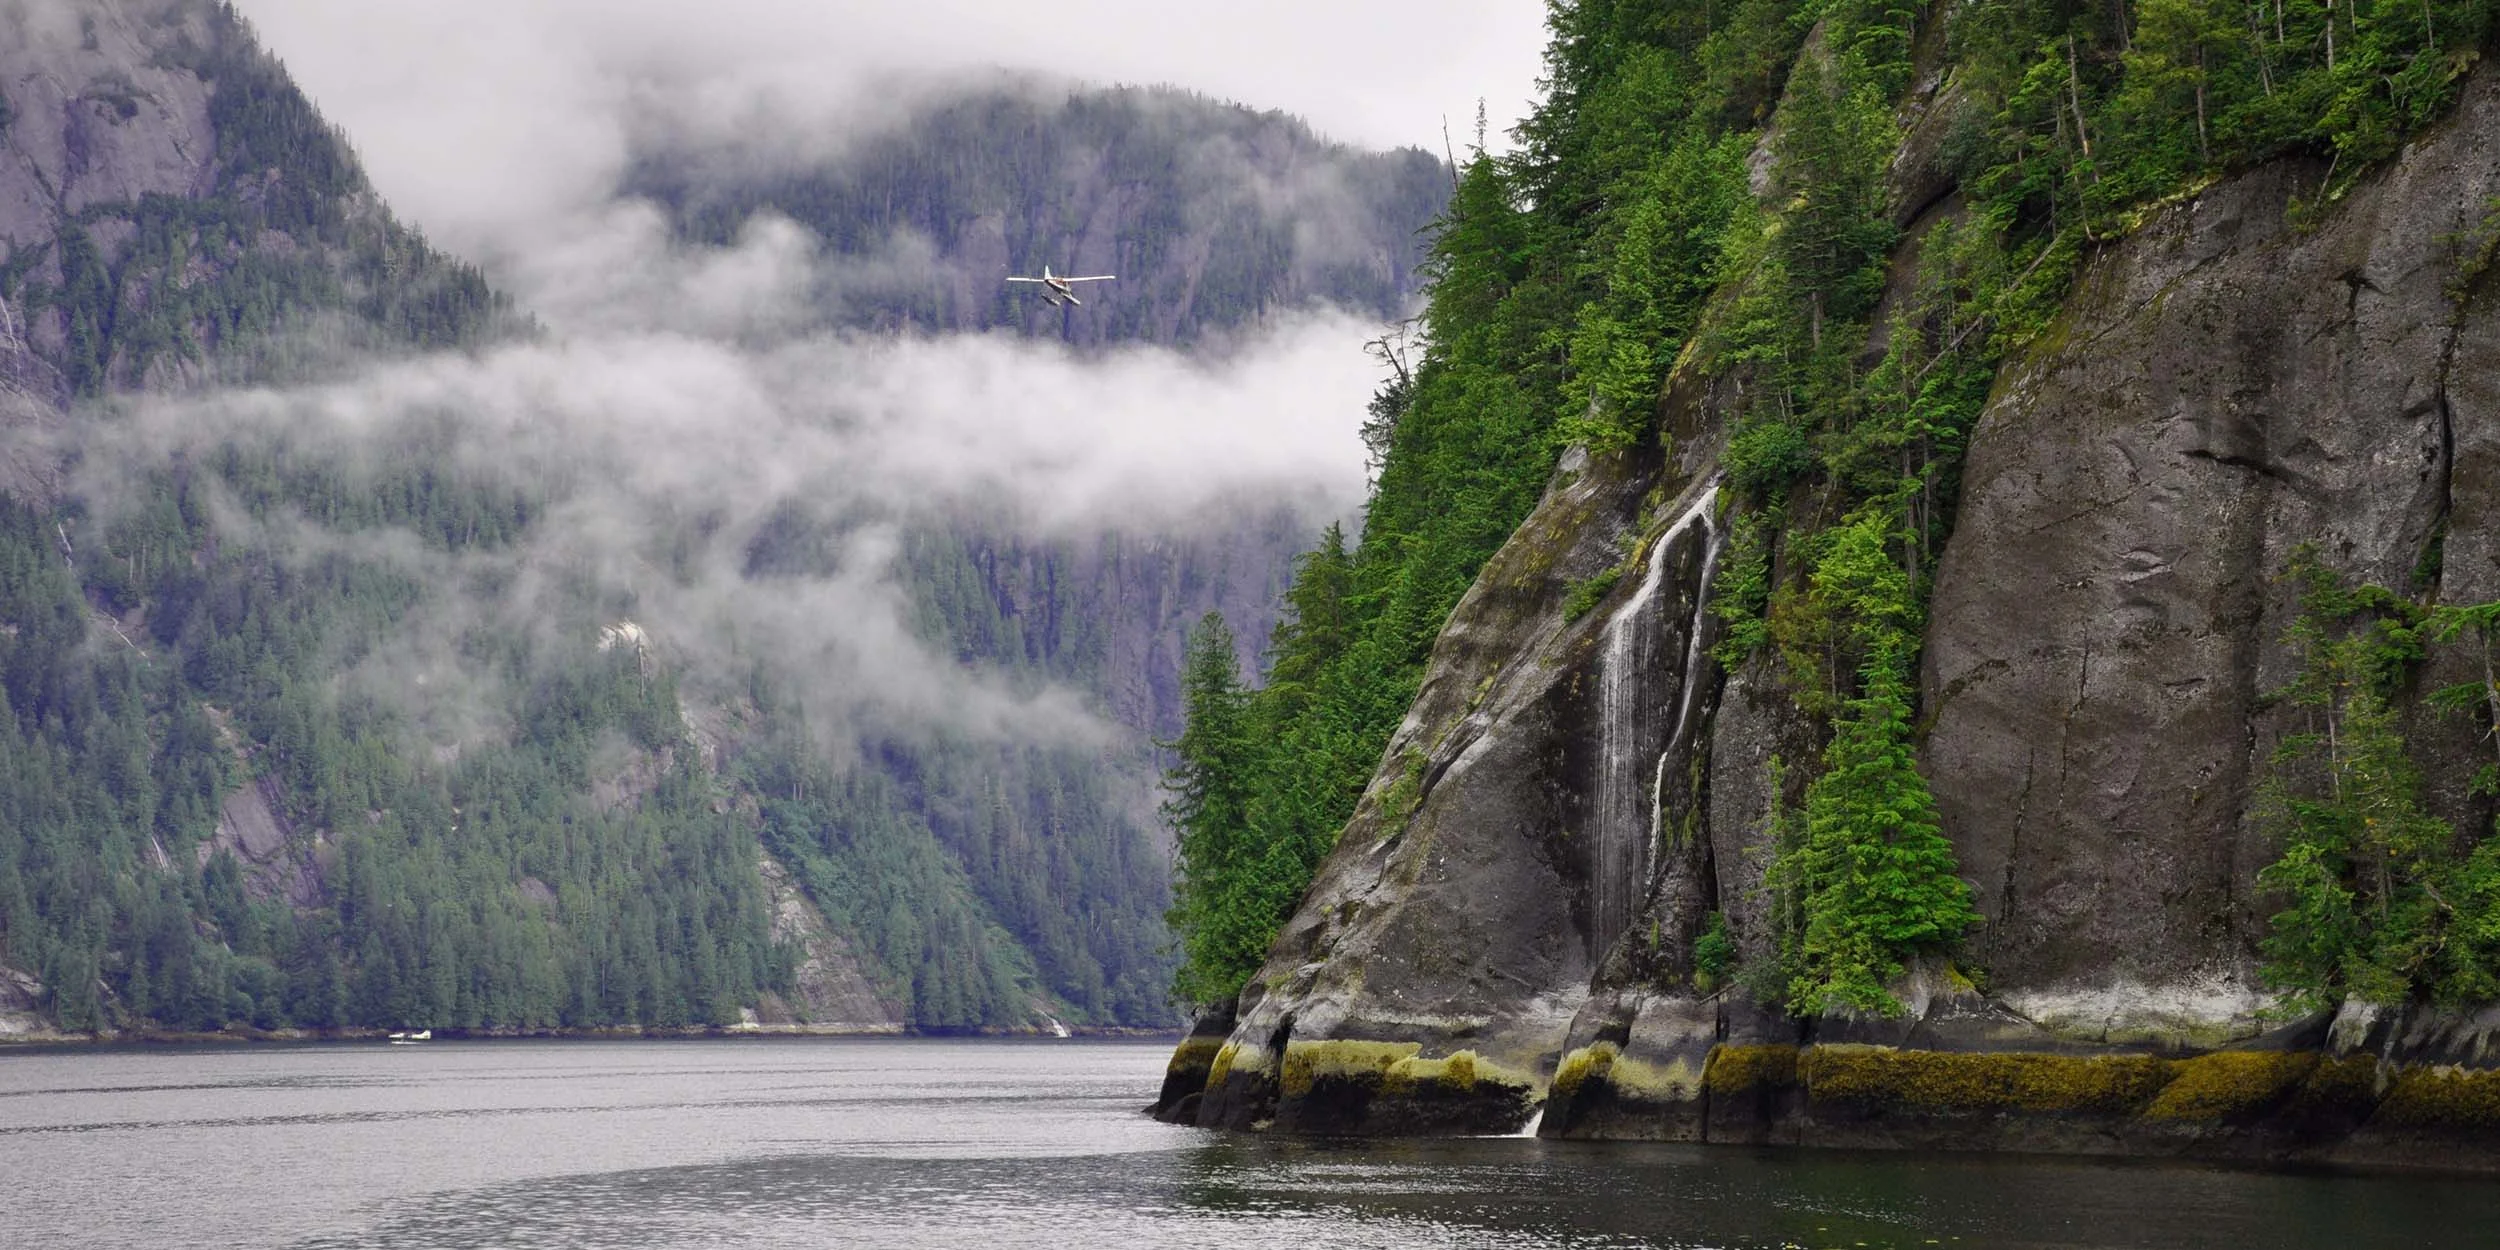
(232, 800)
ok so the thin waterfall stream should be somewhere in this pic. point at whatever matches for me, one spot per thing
(1622, 834)
(1690, 679)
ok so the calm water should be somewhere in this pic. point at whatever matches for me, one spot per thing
(651, 1145)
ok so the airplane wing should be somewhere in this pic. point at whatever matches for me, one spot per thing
(1100, 277)
(1024, 280)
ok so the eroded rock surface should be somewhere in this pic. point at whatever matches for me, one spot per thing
(2107, 623)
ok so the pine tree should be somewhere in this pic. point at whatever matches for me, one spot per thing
(1877, 872)
(1216, 861)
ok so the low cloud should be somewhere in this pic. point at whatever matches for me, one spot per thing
(669, 459)
(487, 120)
(689, 408)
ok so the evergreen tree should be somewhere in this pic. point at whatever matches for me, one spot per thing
(1217, 864)
(1876, 871)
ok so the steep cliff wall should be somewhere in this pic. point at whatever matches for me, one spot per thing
(2242, 376)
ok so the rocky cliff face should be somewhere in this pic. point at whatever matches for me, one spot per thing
(1499, 935)
(165, 190)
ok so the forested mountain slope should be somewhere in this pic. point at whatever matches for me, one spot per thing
(164, 190)
(1213, 215)
(1987, 647)
(309, 725)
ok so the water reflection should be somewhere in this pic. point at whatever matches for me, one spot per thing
(654, 1145)
(1493, 1193)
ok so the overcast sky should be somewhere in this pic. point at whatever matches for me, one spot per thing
(483, 118)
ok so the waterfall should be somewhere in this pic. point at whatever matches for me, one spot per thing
(1691, 680)
(1621, 833)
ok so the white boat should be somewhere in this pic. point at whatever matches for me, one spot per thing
(411, 1039)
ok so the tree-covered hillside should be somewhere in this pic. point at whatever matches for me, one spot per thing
(276, 750)
(1724, 194)
(171, 193)
(1212, 215)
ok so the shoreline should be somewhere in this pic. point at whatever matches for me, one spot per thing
(155, 1039)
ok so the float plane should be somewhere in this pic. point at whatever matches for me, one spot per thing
(1055, 289)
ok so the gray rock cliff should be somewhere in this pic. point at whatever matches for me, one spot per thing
(2237, 379)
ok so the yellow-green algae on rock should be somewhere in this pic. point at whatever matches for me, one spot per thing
(1194, 1054)
(2230, 1083)
(1393, 1069)
(1605, 1062)
(1307, 1063)
(2349, 1084)
(1879, 1077)
(1227, 1056)
(1744, 1069)
(2443, 1099)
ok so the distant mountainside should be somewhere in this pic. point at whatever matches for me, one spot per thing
(165, 191)
(213, 816)
(1211, 214)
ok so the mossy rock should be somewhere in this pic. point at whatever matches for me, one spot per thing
(1185, 1077)
(1390, 1089)
(2231, 1084)
(1880, 1078)
(1195, 1054)
(1408, 1078)
(1737, 1070)
(1583, 1065)
(2346, 1087)
(2443, 1100)
(1221, 1067)
(1306, 1064)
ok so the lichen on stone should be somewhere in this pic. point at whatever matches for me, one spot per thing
(2230, 1083)
(2443, 1099)
(1744, 1069)
(1225, 1056)
(1308, 1063)
(1195, 1054)
(1882, 1078)
(1580, 1066)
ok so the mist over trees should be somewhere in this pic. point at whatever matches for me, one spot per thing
(308, 715)
(1213, 215)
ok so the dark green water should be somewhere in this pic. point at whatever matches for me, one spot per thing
(652, 1145)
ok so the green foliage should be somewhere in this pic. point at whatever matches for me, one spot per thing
(1742, 588)
(1563, 279)
(489, 892)
(1217, 862)
(1872, 878)
(2380, 901)
(1588, 594)
(1714, 954)
(1765, 456)
(1620, 241)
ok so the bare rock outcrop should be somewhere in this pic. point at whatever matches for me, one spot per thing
(2223, 388)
